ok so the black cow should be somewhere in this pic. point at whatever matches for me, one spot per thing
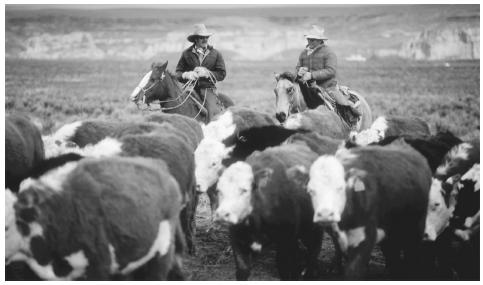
(433, 147)
(261, 204)
(371, 194)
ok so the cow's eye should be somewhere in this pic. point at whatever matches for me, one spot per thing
(290, 89)
(213, 164)
(437, 204)
(243, 191)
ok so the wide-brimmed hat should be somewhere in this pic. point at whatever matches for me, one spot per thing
(200, 31)
(315, 33)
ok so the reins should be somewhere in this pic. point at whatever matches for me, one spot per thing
(187, 88)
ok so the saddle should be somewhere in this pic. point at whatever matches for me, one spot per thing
(346, 113)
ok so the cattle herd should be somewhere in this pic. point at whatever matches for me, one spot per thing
(111, 200)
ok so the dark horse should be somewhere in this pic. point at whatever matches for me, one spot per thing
(160, 84)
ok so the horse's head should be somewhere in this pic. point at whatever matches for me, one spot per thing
(287, 96)
(150, 83)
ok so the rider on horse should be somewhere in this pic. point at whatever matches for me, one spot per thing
(203, 66)
(316, 67)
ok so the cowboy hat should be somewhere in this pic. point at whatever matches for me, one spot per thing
(200, 31)
(316, 33)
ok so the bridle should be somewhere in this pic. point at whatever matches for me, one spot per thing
(186, 87)
(293, 102)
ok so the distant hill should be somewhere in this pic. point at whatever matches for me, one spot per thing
(419, 32)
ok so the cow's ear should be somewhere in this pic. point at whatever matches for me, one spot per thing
(299, 175)
(277, 76)
(450, 189)
(355, 180)
(227, 151)
(262, 177)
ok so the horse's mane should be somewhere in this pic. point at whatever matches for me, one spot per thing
(288, 75)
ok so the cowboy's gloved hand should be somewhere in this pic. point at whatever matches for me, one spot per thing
(307, 76)
(190, 75)
(302, 71)
(202, 71)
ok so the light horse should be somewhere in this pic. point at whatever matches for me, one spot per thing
(160, 85)
(293, 97)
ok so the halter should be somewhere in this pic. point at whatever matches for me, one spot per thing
(292, 101)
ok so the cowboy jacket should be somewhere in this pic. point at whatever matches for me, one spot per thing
(322, 63)
(213, 62)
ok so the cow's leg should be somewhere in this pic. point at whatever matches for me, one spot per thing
(412, 250)
(392, 250)
(213, 197)
(313, 242)
(286, 259)
(336, 263)
(358, 257)
(158, 268)
(242, 254)
(186, 225)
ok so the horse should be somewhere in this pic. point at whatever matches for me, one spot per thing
(159, 84)
(293, 97)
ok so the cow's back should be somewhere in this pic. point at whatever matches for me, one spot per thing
(24, 149)
(399, 178)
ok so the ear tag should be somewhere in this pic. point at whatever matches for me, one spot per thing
(359, 186)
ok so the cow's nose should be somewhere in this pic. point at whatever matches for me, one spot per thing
(221, 216)
(325, 216)
(281, 117)
(198, 188)
(426, 237)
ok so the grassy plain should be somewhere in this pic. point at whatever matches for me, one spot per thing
(58, 92)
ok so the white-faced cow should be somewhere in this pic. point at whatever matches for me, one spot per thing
(453, 226)
(261, 203)
(24, 149)
(219, 138)
(386, 126)
(453, 214)
(96, 218)
(371, 194)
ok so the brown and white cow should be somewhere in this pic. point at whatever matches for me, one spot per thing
(95, 218)
(387, 126)
(262, 203)
(219, 137)
(462, 159)
(373, 194)
(167, 146)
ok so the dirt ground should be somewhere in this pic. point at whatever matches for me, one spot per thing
(214, 259)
